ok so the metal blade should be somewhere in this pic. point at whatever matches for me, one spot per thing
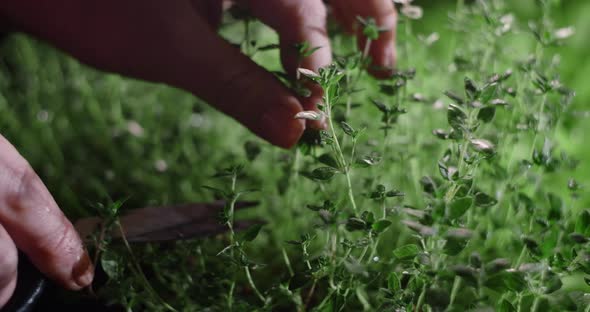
(191, 230)
(165, 222)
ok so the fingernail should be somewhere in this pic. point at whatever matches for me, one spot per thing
(83, 271)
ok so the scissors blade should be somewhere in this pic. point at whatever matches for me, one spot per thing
(170, 222)
(191, 230)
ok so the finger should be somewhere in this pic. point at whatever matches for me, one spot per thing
(238, 87)
(382, 50)
(36, 224)
(234, 84)
(8, 266)
(172, 44)
(298, 21)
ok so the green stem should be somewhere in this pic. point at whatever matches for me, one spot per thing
(251, 282)
(287, 262)
(421, 299)
(455, 290)
(139, 271)
(230, 295)
(339, 153)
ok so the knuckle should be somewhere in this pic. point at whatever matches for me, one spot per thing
(24, 182)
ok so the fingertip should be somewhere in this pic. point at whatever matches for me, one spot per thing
(278, 124)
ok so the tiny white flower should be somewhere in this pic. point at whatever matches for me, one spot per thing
(412, 11)
(507, 21)
(109, 174)
(197, 120)
(43, 116)
(438, 104)
(564, 33)
(430, 39)
(135, 128)
(161, 165)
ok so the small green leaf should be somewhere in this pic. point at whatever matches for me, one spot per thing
(453, 96)
(459, 206)
(368, 160)
(109, 261)
(381, 106)
(251, 233)
(486, 114)
(488, 93)
(583, 223)
(484, 200)
(355, 224)
(506, 306)
(471, 89)
(393, 282)
(506, 280)
(468, 273)
(406, 252)
(381, 225)
(497, 265)
(323, 173)
(328, 160)
(395, 193)
(348, 129)
(553, 284)
(456, 116)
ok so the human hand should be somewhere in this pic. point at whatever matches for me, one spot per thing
(176, 43)
(31, 220)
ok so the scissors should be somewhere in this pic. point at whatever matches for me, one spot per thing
(143, 225)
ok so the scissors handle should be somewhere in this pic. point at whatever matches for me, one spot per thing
(30, 285)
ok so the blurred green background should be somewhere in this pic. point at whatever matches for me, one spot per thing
(93, 136)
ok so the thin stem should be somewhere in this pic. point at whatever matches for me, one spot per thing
(310, 294)
(455, 290)
(287, 262)
(230, 295)
(251, 282)
(139, 271)
(421, 299)
(339, 153)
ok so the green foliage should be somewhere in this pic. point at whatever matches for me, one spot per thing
(448, 186)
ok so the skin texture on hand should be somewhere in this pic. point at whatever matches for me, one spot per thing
(176, 43)
(172, 42)
(31, 220)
